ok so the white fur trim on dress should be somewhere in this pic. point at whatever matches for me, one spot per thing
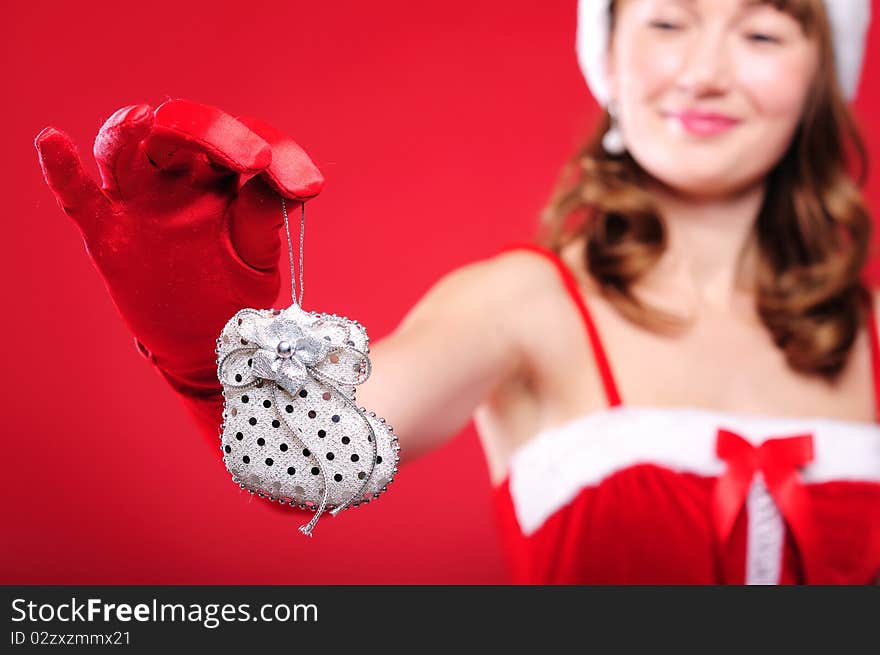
(550, 470)
(552, 467)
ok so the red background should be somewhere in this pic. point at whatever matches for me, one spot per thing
(440, 129)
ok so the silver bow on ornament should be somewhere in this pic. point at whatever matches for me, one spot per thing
(287, 349)
(292, 349)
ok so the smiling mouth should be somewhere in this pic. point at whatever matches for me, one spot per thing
(702, 123)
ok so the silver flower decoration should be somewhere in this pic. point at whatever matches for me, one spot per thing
(285, 350)
(289, 346)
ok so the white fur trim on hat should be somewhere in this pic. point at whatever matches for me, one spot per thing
(849, 21)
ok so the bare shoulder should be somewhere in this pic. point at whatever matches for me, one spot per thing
(529, 292)
(509, 298)
(498, 304)
(500, 282)
(521, 271)
(526, 270)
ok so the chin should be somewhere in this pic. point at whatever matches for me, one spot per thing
(699, 173)
(701, 183)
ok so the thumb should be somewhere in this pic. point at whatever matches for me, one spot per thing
(254, 219)
(75, 191)
(117, 146)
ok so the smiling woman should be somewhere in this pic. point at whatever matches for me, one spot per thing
(714, 227)
(740, 100)
(680, 383)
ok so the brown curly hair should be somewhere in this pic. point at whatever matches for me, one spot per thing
(812, 230)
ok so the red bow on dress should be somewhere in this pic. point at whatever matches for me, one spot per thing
(778, 459)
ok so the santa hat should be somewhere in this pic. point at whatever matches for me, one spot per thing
(849, 21)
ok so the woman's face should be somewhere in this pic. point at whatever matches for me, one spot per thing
(709, 92)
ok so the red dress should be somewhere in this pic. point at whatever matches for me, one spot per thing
(641, 495)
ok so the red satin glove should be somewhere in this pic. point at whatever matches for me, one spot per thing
(184, 229)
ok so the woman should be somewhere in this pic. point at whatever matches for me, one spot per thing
(648, 381)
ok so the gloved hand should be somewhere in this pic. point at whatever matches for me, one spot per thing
(184, 229)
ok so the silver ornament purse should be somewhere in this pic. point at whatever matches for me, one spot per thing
(292, 431)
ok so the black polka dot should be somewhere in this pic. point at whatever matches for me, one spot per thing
(261, 441)
(330, 455)
(337, 477)
(268, 461)
(303, 393)
(250, 362)
(267, 403)
(228, 449)
(288, 409)
(312, 413)
(290, 470)
(283, 447)
(355, 457)
(246, 459)
(239, 436)
(276, 423)
(361, 475)
(238, 377)
(244, 399)
(252, 420)
(315, 470)
(335, 418)
(322, 433)
(378, 459)
(345, 439)
(306, 452)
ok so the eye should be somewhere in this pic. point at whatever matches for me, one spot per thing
(761, 37)
(664, 25)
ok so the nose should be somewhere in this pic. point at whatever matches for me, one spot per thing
(705, 65)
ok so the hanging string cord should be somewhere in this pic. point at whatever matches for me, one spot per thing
(318, 377)
(302, 230)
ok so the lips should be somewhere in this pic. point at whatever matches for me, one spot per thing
(703, 123)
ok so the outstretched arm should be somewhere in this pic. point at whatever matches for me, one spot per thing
(451, 349)
(184, 230)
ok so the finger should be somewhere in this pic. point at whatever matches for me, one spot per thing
(76, 192)
(291, 172)
(254, 219)
(182, 130)
(117, 147)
